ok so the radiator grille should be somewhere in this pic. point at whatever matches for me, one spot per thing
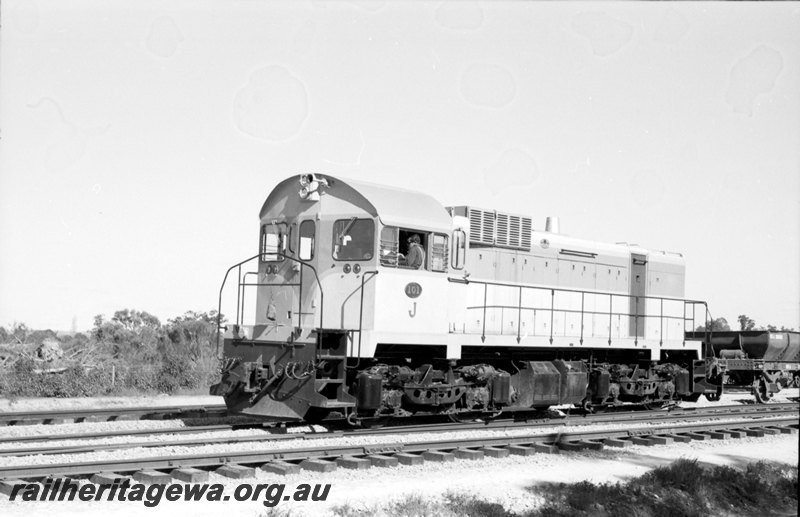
(481, 227)
(492, 228)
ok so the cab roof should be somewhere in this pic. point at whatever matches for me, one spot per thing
(394, 206)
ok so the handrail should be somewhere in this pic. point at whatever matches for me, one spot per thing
(564, 289)
(219, 305)
(240, 290)
(361, 307)
(611, 313)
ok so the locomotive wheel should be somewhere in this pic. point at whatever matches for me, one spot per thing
(714, 397)
(761, 390)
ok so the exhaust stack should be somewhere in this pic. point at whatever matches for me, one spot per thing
(551, 225)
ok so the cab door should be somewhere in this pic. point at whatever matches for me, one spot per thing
(276, 305)
(638, 290)
(308, 289)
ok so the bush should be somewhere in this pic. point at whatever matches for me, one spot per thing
(177, 372)
(173, 373)
(682, 488)
(25, 381)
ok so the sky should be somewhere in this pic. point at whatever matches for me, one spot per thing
(139, 139)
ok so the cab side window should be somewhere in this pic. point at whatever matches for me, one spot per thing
(438, 252)
(306, 240)
(407, 248)
(389, 247)
(459, 249)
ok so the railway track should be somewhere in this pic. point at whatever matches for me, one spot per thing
(283, 460)
(109, 414)
(276, 434)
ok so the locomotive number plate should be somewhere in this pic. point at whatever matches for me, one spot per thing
(413, 290)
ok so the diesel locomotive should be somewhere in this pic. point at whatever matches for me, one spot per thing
(492, 314)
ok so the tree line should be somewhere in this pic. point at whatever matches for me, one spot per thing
(745, 323)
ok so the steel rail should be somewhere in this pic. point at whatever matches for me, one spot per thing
(569, 419)
(81, 449)
(328, 452)
(8, 417)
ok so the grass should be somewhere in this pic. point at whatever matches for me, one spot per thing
(683, 488)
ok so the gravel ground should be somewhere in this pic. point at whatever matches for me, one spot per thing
(507, 481)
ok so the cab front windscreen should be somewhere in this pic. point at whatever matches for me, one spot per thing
(353, 239)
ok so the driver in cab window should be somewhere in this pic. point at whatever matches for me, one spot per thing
(415, 257)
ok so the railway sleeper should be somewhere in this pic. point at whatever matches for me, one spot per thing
(581, 445)
(382, 460)
(494, 452)
(318, 465)
(698, 436)
(353, 463)
(190, 475)
(521, 450)
(152, 477)
(282, 468)
(233, 471)
(409, 459)
(108, 478)
(468, 454)
(439, 456)
(758, 433)
(680, 438)
(7, 485)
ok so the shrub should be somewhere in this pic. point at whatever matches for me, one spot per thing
(176, 372)
(24, 381)
(682, 488)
